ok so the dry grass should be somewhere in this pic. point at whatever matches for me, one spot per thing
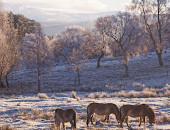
(37, 114)
(149, 92)
(167, 93)
(120, 94)
(136, 84)
(104, 95)
(24, 112)
(53, 97)
(6, 127)
(53, 127)
(98, 95)
(74, 95)
(133, 94)
(42, 96)
(146, 92)
(91, 95)
(163, 119)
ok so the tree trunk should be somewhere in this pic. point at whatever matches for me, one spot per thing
(78, 75)
(6, 79)
(126, 70)
(159, 54)
(1, 83)
(39, 79)
(99, 59)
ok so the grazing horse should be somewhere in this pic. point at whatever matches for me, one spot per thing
(142, 111)
(67, 115)
(102, 109)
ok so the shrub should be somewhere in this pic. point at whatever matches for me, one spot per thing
(74, 95)
(163, 119)
(53, 97)
(136, 84)
(91, 95)
(104, 95)
(36, 112)
(53, 127)
(23, 112)
(98, 95)
(149, 92)
(133, 94)
(42, 96)
(47, 115)
(167, 93)
(6, 127)
(120, 94)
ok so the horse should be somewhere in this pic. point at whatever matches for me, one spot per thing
(102, 109)
(141, 111)
(65, 115)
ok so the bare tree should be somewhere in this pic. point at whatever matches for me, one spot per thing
(66, 41)
(9, 47)
(94, 45)
(102, 38)
(35, 53)
(68, 45)
(126, 35)
(77, 60)
(153, 18)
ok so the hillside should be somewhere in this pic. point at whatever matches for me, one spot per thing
(143, 69)
(148, 83)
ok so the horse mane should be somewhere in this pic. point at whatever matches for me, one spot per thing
(150, 113)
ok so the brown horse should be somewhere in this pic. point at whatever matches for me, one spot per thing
(67, 115)
(102, 109)
(142, 111)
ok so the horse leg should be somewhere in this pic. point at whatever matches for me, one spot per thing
(88, 117)
(107, 117)
(140, 121)
(63, 125)
(57, 123)
(127, 121)
(91, 119)
(144, 120)
(122, 120)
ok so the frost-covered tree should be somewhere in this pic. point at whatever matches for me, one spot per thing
(94, 44)
(101, 39)
(77, 60)
(66, 41)
(35, 52)
(9, 47)
(22, 24)
(153, 19)
(126, 36)
(68, 47)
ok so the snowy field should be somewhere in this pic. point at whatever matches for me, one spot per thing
(22, 108)
(31, 112)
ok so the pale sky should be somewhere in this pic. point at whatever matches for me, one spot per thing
(73, 6)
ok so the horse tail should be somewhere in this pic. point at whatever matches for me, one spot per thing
(55, 117)
(87, 117)
(74, 118)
